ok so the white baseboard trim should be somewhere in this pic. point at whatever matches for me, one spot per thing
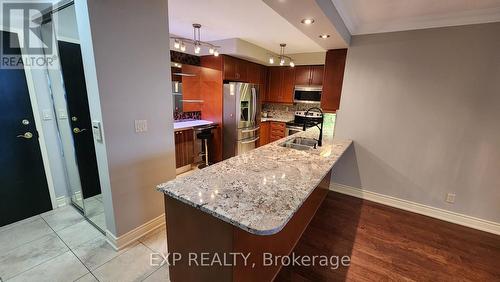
(453, 217)
(62, 201)
(118, 243)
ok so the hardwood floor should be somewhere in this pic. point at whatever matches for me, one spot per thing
(388, 244)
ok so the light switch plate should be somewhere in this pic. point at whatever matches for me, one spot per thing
(450, 198)
(62, 114)
(46, 114)
(141, 125)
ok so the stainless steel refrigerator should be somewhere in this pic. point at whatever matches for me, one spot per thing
(241, 118)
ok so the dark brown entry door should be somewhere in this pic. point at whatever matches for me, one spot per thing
(23, 185)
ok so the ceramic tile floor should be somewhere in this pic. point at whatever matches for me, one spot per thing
(94, 209)
(61, 245)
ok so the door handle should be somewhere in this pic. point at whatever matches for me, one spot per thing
(251, 130)
(27, 135)
(250, 141)
(77, 130)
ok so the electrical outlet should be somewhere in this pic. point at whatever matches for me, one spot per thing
(141, 125)
(450, 198)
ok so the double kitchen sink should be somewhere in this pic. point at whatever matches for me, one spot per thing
(300, 143)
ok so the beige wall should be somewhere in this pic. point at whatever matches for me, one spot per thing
(423, 108)
(126, 60)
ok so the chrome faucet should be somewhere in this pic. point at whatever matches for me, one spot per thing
(317, 124)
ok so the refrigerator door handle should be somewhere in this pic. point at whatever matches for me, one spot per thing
(254, 105)
(250, 130)
(249, 141)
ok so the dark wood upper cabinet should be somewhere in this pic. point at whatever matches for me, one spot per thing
(253, 74)
(288, 85)
(230, 66)
(333, 79)
(302, 75)
(317, 75)
(309, 75)
(241, 70)
(263, 84)
(274, 82)
(281, 82)
(235, 69)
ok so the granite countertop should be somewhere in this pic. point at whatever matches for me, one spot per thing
(279, 119)
(178, 125)
(280, 116)
(261, 190)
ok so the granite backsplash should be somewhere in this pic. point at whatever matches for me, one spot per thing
(181, 116)
(285, 111)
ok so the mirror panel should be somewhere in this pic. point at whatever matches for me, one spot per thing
(69, 94)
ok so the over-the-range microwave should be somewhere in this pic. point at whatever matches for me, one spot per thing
(307, 93)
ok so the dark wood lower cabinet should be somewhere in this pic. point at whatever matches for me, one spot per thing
(184, 147)
(264, 133)
(277, 130)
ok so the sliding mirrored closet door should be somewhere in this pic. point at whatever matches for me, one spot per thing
(71, 105)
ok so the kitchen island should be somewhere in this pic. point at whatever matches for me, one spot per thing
(259, 202)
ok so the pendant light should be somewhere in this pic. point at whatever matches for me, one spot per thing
(282, 58)
(180, 42)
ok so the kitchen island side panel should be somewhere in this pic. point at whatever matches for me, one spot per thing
(189, 230)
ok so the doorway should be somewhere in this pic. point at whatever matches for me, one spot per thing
(24, 191)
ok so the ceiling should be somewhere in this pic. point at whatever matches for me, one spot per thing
(369, 16)
(250, 20)
(295, 11)
(267, 23)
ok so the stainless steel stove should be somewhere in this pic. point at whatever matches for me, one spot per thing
(297, 124)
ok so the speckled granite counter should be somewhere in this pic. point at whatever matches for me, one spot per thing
(261, 190)
(182, 125)
(279, 119)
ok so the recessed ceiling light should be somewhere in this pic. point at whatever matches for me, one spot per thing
(307, 21)
(324, 36)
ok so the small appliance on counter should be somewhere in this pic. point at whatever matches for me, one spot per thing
(297, 125)
(241, 118)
